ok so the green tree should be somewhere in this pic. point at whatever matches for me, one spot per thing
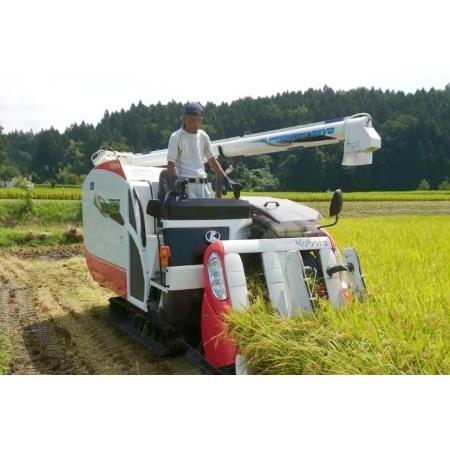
(444, 185)
(64, 176)
(3, 148)
(414, 127)
(7, 173)
(74, 158)
(26, 185)
(423, 185)
(47, 155)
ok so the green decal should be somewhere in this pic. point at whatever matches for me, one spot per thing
(109, 208)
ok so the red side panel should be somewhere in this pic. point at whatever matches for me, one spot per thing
(345, 291)
(219, 351)
(332, 241)
(112, 166)
(107, 274)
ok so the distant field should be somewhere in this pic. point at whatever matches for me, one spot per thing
(404, 327)
(403, 196)
(44, 193)
(74, 193)
(385, 208)
(13, 212)
(49, 224)
(54, 212)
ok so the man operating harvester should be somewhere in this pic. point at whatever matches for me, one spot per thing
(189, 148)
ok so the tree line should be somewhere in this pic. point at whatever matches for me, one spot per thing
(414, 127)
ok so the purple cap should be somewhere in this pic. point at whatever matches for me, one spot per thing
(193, 109)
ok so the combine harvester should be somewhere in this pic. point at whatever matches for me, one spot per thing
(178, 265)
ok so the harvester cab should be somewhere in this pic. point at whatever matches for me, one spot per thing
(178, 265)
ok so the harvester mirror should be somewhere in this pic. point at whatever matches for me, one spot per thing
(154, 208)
(336, 203)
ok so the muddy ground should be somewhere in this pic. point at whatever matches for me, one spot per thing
(55, 319)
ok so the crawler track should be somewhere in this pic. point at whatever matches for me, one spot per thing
(55, 320)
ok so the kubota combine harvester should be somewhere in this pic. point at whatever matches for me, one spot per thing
(178, 265)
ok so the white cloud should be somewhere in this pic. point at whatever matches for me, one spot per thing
(64, 62)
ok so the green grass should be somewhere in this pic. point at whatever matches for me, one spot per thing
(13, 212)
(37, 235)
(49, 223)
(404, 327)
(74, 193)
(3, 355)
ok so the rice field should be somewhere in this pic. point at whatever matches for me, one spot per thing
(74, 193)
(43, 193)
(403, 328)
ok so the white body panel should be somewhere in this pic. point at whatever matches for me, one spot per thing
(299, 290)
(237, 284)
(355, 276)
(283, 210)
(333, 283)
(241, 365)
(110, 229)
(104, 237)
(276, 245)
(179, 278)
(276, 283)
(286, 282)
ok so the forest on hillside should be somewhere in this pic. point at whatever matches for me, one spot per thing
(414, 127)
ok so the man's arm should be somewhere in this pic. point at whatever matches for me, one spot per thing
(228, 183)
(215, 165)
(171, 169)
(209, 156)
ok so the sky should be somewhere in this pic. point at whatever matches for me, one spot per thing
(62, 62)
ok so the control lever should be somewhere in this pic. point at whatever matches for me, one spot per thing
(340, 268)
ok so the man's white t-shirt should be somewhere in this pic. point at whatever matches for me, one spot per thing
(189, 152)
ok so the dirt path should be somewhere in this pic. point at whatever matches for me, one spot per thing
(386, 208)
(56, 322)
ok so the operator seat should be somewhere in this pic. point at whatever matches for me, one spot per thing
(164, 185)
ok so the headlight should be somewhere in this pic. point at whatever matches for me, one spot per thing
(216, 278)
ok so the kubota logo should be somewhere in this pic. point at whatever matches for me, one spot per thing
(212, 235)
